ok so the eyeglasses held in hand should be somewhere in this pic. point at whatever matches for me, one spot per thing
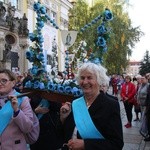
(4, 81)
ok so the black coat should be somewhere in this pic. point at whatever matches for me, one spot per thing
(105, 113)
(113, 97)
(49, 138)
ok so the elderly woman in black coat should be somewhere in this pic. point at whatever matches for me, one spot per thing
(92, 122)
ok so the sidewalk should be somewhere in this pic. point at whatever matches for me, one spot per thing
(132, 138)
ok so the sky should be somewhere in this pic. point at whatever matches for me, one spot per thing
(139, 11)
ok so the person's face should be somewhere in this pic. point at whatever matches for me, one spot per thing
(5, 84)
(139, 80)
(127, 79)
(104, 88)
(144, 80)
(88, 83)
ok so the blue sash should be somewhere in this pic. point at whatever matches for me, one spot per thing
(44, 103)
(83, 120)
(6, 114)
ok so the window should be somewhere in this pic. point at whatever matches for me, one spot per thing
(54, 16)
(16, 3)
(4, 1)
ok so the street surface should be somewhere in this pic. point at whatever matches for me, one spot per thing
(132, 138)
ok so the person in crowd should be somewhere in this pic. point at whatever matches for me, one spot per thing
(142, 93)
(147, 113)
(148, 77)
(49, 119)
(114, 82)
(92, 122)
(143, 101)
(120, 82)
(137, 108)
(127, 95)
(18, 86)
(27, 78)
(15, 114)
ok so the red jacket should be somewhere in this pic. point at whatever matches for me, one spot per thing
(131, 92)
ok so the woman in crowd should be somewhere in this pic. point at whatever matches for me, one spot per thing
(93, 121)
(137, 108)
(114, 82)
(147, 114)
(143, 101)
(127, 94)
(142, 93)
(15, 115)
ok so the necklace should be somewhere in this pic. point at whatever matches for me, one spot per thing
(88, 105)
(90, 100)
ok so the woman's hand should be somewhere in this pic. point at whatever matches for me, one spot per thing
(41, 110)
(126, 98)
(76, 144)
(65, 111)
(14, 102)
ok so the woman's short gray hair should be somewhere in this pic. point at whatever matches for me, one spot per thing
(97, 69)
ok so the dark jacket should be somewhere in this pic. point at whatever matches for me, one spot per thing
(49, 138)
(105, 113)
(111, 96)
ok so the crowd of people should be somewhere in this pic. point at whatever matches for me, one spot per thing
(134, 92)
(90, 122)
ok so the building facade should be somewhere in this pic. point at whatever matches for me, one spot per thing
(17, 19)
(133, 68)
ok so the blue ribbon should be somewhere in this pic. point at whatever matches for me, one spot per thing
(6, 114)
(83, 120)
(44, 103)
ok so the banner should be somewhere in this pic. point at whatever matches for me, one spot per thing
(68, 37)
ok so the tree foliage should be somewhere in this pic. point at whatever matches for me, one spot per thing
(122, 38)
(145, 64)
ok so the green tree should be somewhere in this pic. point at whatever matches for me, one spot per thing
(145, 64)
(122, 38)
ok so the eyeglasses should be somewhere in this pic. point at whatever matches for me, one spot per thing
(4, 81)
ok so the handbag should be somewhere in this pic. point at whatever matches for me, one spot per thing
(32, 136)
